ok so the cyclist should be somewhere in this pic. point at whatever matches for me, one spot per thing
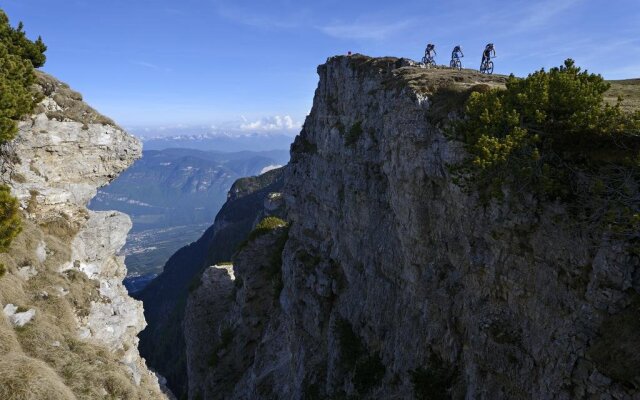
(486, 54)
(431, 48)
(455, 57)
(456, 53)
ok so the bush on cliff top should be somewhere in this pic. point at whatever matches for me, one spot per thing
(552, 134)
(547, 119)
(265, 226)
(18, 57)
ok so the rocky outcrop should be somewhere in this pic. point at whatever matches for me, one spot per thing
(162, 343)
(227, 319)
(399, 284)
(205, 311)
(65, 265)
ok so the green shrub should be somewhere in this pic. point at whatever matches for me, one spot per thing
(539, 124)
(354, 134)
(552, 134)
(18, 57)
(17, 43)
(10, 223)
(265, 226)
(270, 223)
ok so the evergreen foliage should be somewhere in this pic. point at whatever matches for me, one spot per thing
(553, 135)
(265, 226)
(18, 58)
(546, 119)
(9, 218)
(17, 43)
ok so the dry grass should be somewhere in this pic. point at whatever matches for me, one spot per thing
(32, 204)
(8, 340)
(629, 89)
(24, 378)
(70, 101)
(45, 359)
(65, 225)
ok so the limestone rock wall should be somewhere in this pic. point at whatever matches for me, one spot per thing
(396, 283)
(59, 159)
(164, 342)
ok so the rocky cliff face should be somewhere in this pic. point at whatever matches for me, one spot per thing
(163, 341)
(64, 268)
(396, 283)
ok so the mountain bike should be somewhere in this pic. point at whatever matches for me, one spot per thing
(486, 67)
(428, 62)
(456, 64)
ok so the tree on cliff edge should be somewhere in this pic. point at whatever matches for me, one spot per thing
(18, 58)
(553, 135)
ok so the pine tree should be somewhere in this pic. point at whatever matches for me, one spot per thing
(18, 58)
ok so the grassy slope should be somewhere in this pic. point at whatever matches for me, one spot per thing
(629, 89)
(45, 358)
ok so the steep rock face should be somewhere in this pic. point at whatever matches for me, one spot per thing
(163, 341)
(399, 284)
(228, 319)
(204, 313)
(61, 155)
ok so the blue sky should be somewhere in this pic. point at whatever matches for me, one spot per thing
(249, 65)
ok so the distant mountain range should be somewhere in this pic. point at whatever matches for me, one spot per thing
(230, 142)
(173, 195)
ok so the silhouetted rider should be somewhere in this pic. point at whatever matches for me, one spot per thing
(486, 54)
(431, 48)
(457, 53)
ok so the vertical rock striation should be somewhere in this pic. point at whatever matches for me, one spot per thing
(396, 283)
(163, 342)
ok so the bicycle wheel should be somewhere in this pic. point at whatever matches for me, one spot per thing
(490, 67)
(458, 65)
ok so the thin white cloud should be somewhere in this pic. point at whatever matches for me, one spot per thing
(525, 17)
(281, 18)
(625, 72)
(149, 65)
(274, 123)
(365, 30)
(542, 14)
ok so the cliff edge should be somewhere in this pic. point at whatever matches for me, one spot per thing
(69, 327)
(394, 282)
